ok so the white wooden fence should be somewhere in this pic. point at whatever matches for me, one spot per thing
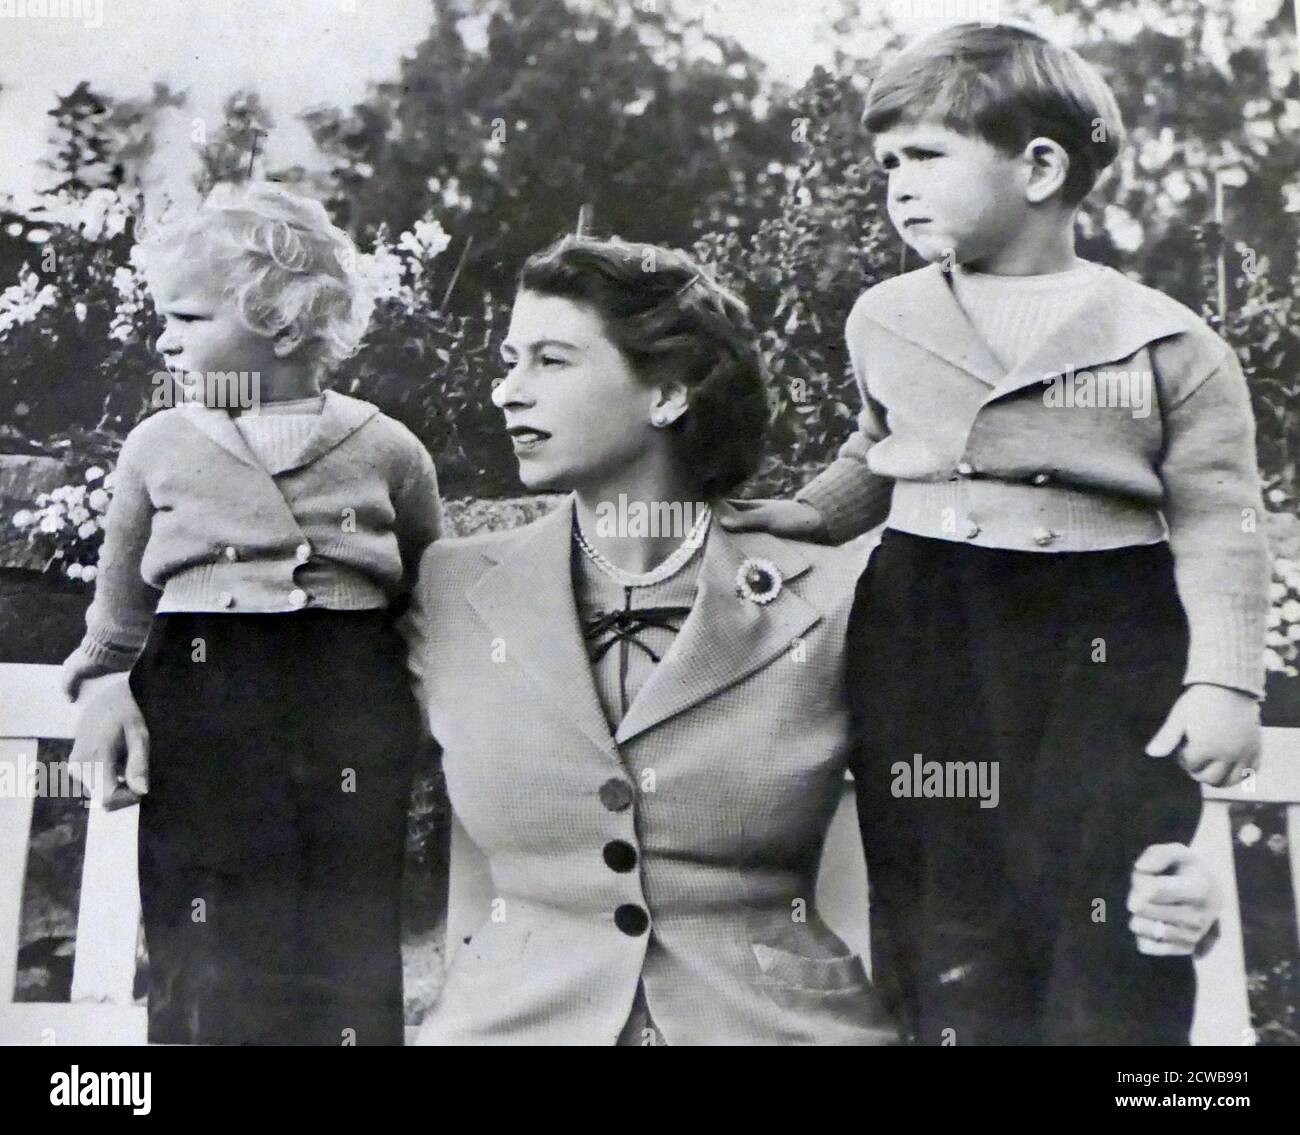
(101, 1011)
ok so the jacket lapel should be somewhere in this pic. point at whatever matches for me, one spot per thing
(725, 638)
(340, 417)
(218, 426)
(1112, 325)
(526, 599)
(944, 331)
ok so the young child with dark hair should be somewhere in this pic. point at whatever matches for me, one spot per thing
(252, 555)
(1071, 583)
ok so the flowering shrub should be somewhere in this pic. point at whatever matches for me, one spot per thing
(67, 524)
(1283, 641)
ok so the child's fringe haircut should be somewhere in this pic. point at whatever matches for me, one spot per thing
(1007, 84)
(280, 258)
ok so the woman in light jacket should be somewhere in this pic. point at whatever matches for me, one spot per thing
(641, 714)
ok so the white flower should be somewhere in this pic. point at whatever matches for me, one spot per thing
(98, 500)
(20, 303)
(1291, 611)
(88, 528)
(1124, 229)
(1177, 186)
(1250, 834)
(74, 571)
(89, 572)
(78, 514)
(383, 272)
(94, 473)
(431, 237)
(79, 310)
(1277, 591)
(23, 518)
(50, 523)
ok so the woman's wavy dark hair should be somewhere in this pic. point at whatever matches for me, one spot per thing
(672, 321)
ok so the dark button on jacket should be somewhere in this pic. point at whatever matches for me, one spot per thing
(616, 794)
(619, 855)
(631, 919)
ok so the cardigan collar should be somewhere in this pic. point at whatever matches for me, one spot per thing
(1114, 322)
(527, 599)
(340, 417)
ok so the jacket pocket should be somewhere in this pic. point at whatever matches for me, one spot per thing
(838, 974)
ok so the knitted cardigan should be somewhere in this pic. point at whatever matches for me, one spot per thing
(1058, 455)
(198, 524)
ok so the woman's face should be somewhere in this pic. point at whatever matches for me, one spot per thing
(577, 414)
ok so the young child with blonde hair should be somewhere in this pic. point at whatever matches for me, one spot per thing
(252, 559)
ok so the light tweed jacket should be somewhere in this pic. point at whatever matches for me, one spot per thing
(734, 755)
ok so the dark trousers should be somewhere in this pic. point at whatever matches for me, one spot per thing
(272, 837)
(1007, 924)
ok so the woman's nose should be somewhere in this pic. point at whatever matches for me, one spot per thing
(508, 391)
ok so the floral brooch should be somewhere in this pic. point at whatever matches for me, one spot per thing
(758, 580)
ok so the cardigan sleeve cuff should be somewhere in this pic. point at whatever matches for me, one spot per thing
(95, 655)
(1227, 643)
(850, 498)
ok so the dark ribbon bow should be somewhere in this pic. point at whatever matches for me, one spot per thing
(623, 626)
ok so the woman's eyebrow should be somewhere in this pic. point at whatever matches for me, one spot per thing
(539, 345)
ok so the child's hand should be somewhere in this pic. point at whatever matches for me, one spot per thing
(1221, 731)
(795, 519)
(112, 736)
(77, 670)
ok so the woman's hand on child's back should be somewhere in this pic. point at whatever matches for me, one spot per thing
(795, 519)
(112, 736)
(1214, 731)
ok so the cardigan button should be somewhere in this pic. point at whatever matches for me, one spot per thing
(231, 553)
(616, 794)
(965, 469)
(1044, 536)
(631, 919)
(225, 599)
(972, 530)
(297, 597)
(620, 856)
(303, 552)
(1041, 478)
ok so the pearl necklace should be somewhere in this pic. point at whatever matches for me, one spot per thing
(668, 568)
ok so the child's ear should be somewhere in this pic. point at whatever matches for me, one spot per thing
(1048, 165)
(286, 341)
